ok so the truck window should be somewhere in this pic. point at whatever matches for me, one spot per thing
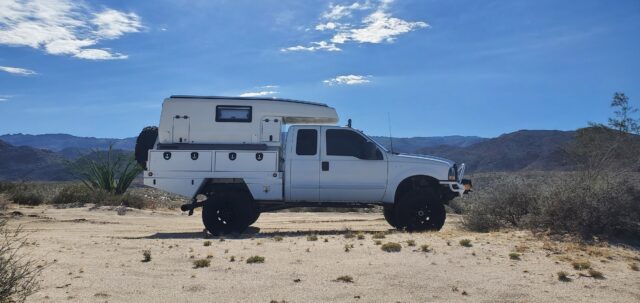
(307, 142)
(343, 142)
(231, 113)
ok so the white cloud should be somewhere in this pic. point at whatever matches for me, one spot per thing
(17, 71)
(376, 26)
(348, 80)
(337, 12)
(321, 45)
(64, 27)
(258, 94)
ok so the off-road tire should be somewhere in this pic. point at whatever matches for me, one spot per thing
(389, 215)
(228, 213)
(420, 210)
(255, 217)
(144, 143)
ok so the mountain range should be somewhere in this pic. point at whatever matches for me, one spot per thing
(42, 157)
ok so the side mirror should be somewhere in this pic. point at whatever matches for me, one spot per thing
(369, 151)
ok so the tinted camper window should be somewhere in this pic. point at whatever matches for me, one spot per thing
(230, 113)
(307, 142)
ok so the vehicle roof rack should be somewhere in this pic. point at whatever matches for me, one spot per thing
(247, 98)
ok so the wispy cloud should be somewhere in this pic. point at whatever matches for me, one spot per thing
(17, 71)
(4, 98)
(64, 27)
(376, 26)
(258, 94)
(348, 80)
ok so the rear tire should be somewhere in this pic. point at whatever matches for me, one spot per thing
(420, 210)
(227, 213)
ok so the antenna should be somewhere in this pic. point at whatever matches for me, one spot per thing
(390, 137)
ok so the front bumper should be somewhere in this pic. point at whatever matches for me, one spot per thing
(463, 187)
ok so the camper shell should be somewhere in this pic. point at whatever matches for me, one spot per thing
(235, 120)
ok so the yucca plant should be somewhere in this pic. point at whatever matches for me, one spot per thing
(110, 172)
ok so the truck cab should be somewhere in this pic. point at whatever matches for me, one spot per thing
(238, 156)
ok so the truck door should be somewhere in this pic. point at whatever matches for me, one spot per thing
(350, 173)
(181, 128)
(304, 164)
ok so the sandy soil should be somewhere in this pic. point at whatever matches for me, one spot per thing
(95, 255)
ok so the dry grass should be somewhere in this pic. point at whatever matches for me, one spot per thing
(312, 238)
(581, 265)
(200, 263)
(411, 242)
(425, 248)
(207, 243)
(391, 247)
(514, 256)
(277, 238)
(146, 255)
(634, 266)
(255, 259)
(379, 235)
(18, 274)
(465, 243)
(595, 274)
(345, 279)
(563, 276)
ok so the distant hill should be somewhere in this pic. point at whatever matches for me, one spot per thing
(412, 145)
(41, 157)
(520, 150)
(74, 145)
(28, 163)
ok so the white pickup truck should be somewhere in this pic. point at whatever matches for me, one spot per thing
(232, 156)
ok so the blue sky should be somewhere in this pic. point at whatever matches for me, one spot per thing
(438, 67)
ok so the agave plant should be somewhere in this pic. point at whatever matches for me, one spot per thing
(109, 172)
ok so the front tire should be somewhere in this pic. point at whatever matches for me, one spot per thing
(227, 213)
(420, 210)
(390, 215)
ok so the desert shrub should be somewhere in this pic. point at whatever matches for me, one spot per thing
(107, 170)
(26, 198)
(146, 255)
(508, 204)
(577, 203)
(605, 206)
(514, 256)
(4, 204)
(595, 274)
(465, 243)
(378, 235)
(78, 194)
(563, 276)
(581, 265)
(18, 275)
(278, 238)
(425, 248)
(312, 238)
(634, 266)
(345, 279)
(391, 247)
(411, 242)
(200, 263)
(255, 259)
(6, 186)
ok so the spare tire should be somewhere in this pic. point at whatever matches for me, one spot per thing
(144, 143)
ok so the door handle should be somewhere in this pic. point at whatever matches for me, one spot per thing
(325, 165)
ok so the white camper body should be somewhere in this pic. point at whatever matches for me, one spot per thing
(235, 152)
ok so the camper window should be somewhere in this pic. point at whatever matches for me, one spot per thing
(231, 113)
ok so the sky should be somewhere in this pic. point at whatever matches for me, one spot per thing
(431, 68)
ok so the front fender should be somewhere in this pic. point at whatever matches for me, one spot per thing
(396, 177)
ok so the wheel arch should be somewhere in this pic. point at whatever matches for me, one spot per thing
(413, 182)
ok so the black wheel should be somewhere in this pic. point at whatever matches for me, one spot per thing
(420, 210)
(227, 213)
(144, 143)
(255, 217)
(389, 215)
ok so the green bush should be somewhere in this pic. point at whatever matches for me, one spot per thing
(26, 198)
(255, 259)
(109, 171)
(78, 194)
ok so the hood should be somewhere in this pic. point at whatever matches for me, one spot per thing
(420, 158)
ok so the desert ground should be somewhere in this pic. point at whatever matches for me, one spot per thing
(92, 254)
